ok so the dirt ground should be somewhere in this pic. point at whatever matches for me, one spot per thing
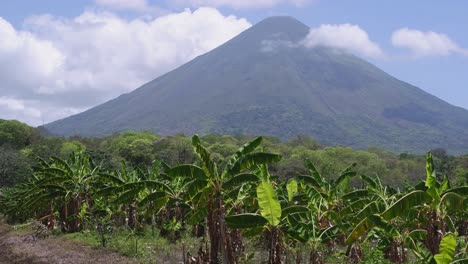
(20, 248)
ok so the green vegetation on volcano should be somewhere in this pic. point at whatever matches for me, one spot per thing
(263, 82)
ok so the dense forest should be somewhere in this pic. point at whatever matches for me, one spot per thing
(240, 199)
(22, 146)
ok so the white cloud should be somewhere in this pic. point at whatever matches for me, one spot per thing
(11, 104)
(59, 66)
(137, 5)
(427, 43)
(344, 36)
(33, 112)
(240, 4)
(25, 59)
(269, 45)
(15, 109)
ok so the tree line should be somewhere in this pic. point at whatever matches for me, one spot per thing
(22, 146)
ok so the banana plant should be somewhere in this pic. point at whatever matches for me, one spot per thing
(170, 205)
(135, 189)
(430, 204)
(329, 197)
(442, 202)
(121, 188)
(279, 217)
(268, 221)
(207, 191)
(270, 209)
(447, 251)
(57, 187)
(304, 227)
(326, 195)
(21, 202)
(68, 185)
(447, 248)
(337, 206)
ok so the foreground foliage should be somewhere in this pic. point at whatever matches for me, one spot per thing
(227, 203)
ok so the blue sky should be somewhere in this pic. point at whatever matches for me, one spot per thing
(56, 53)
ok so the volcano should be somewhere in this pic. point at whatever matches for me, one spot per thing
(265, 82)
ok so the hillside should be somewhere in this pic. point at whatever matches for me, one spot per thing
(263, 82)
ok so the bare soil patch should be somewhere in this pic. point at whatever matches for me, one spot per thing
(21, 248)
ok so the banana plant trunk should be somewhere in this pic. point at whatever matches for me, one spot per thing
(198, 230)
(316, 256)
(220, 241)
(395, 252)
(237, 242)
(69, 215)
(132, 215)
(274, 246)
(354, 253)
(435, 232)
(462, 228)
(236, 236)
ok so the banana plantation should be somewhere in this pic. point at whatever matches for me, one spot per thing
(231, 204)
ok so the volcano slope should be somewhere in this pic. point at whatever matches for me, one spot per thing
(265, 82)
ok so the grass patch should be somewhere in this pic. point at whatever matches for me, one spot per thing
(144, 247)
